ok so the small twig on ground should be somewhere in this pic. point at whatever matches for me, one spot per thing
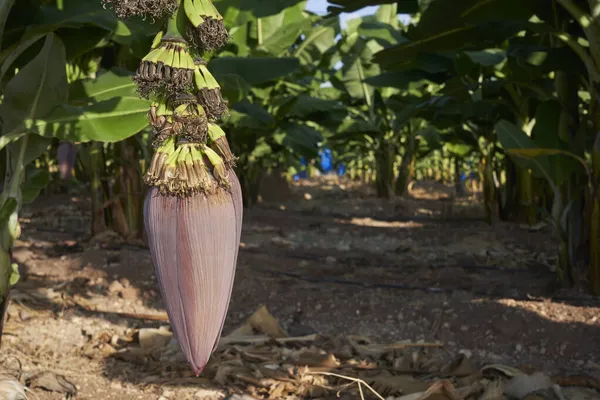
(162, 317)
(358, 381)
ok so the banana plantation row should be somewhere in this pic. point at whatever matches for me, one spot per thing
(507, 90)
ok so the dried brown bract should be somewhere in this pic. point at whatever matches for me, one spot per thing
(153, 8)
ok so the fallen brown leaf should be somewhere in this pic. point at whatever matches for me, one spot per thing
(52, 382)
(522, 385)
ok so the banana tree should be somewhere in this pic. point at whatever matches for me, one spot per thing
(39, 107)
(98, 51)
(272, 79)
(544, 61)
(379, 115)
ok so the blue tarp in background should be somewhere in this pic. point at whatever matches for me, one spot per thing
(326, 160)
(327, 165)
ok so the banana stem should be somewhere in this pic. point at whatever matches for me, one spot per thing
(10, 231)
(595, 220)
(15, 181)
(176, 24)
(259, 31)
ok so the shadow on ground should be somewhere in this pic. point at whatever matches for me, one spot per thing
(331, 263)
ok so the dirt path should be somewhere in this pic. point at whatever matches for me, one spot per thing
(331, 260)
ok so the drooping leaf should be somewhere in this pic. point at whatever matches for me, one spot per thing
(455, 39)
(8, 138)
(546, 136)
(35, 147)
(487, 57)
(262, 149)
(536, 153)
(9, 206)
(438, 18)
(318, 41)
(21, 48)
(352, 127)
(357, 66)
(113, 83)
(247, 115)
(388, 14)
(238, 12)
(512, 138)
(538, 59)
(77, 13)
(280, 31)
(301, 138)
(410, 79)
(254, 70)
(38, 87)
(5, 8)
(386, 34)
(80, 41)
(459, 149)
(34, 184)
(110, 120)
(233, 87)
(404, 6)
(305, 106)
(74, 14)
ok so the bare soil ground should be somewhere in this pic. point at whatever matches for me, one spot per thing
(332, 259)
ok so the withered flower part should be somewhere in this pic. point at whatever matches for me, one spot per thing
(220, 171)
(194, 244)
(209, 91)
(158, 113)
(207, 30)
(187, 168)
(221, 145)
(67, 157)
(189, 119)
(169, 66)
(158, 163)
(153, 8)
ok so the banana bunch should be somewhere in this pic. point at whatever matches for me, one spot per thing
(181, 116)
(189, 119)
(184, 169)
(168, 67)
(154, 8)
(207, 30)
(193, 209)
(209, 91)
(219, 142)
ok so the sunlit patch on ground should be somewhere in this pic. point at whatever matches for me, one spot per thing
(345, 276)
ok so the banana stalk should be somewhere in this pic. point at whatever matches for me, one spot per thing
(384, 165)
(193, 209)
(407, 165)
(595, 220)
(10, 230)
(206, 29)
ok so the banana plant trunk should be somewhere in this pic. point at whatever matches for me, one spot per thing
(595, 219)
(526, 212)
(128, 192)
(459, 185)
(489, 187)
(250, 178)
(5, 272)
(95, 163)
(510, 190)
(572, 230)
(384, 173)
(406, 170)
